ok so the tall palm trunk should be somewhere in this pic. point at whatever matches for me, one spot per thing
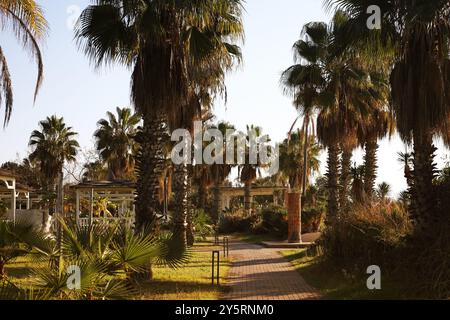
(202, 196)
(305, 157)
(180, 215)
(60, 214)
(190, 237)
(216, 203)
(149, 168)
(370, 167)
(345, 179)
(423, 197)
(248, 197)
(333, 177)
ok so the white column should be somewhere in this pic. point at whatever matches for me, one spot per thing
(91, 212)
(14, 203)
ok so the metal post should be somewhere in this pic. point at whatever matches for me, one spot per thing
(215, 267)
(226, 244)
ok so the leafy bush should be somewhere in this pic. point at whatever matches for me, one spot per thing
(367, 236)
(273, 221)
(203, 226)
(312, 220)
(3, 209)
(236, 222)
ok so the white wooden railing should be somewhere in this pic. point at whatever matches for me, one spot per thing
(127, 222)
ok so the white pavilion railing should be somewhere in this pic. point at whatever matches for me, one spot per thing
(126, 222)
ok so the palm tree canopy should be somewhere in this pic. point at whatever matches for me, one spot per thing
(53, 145)
(416, 33)
(162, 40)
(115, 139)
(292, 157)
(26, 20)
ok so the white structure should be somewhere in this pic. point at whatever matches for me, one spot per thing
(121, 193)
(228, 193)
(18, 201)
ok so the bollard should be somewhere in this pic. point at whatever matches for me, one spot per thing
(216, 240)
(226, 246)
(213, 267)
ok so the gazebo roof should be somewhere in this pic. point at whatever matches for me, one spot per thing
(6, 174)
(105, 185)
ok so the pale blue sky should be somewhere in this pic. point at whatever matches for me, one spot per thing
(81, 95)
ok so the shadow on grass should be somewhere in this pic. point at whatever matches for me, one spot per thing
(335, 285)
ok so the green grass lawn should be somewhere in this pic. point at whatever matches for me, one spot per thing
(334, 285)
(190, 282)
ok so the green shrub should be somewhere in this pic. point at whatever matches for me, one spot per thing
(312, 220)
(273, 221)
(367, 236)
(203, 226)
(3, 209)
(236, 222)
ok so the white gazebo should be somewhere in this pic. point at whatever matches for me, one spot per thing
(122, 193)
(17, 198)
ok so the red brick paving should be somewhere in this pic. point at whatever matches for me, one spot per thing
(259, 273)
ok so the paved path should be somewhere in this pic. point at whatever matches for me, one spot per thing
(259, 273)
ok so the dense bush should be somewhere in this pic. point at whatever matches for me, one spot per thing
(273, 221)
(312, 220)
(369, 235)
(237, 221)
(203, 226)
(3, 209)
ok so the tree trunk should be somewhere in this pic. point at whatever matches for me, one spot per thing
(248, 199)
(333, 177)
(423, 200)
(190, 236)
(149, 169)
(370, 167)
(216, 204)
(202, 196)
(305, 157)
(180, 214)
(346, 163)
(60, 214)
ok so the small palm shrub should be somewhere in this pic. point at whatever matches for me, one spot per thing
(109, 258)
(203, 226)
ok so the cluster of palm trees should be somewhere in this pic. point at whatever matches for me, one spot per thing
(361, 84)
(348, 98)
(179, 52)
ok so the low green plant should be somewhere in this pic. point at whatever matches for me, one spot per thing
(203, 226)
(108, 257)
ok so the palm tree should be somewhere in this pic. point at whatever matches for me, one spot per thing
(116, 142)
(94, 171)
(26, 20)
(248, 172)
(344, 101)
(292, 157)
(53, 145)
(358, 194)
(158, 40)
(220, 173)
(303, 81)
(416, 32)
(383, 191)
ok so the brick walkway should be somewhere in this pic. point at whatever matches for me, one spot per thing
(258, 273)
